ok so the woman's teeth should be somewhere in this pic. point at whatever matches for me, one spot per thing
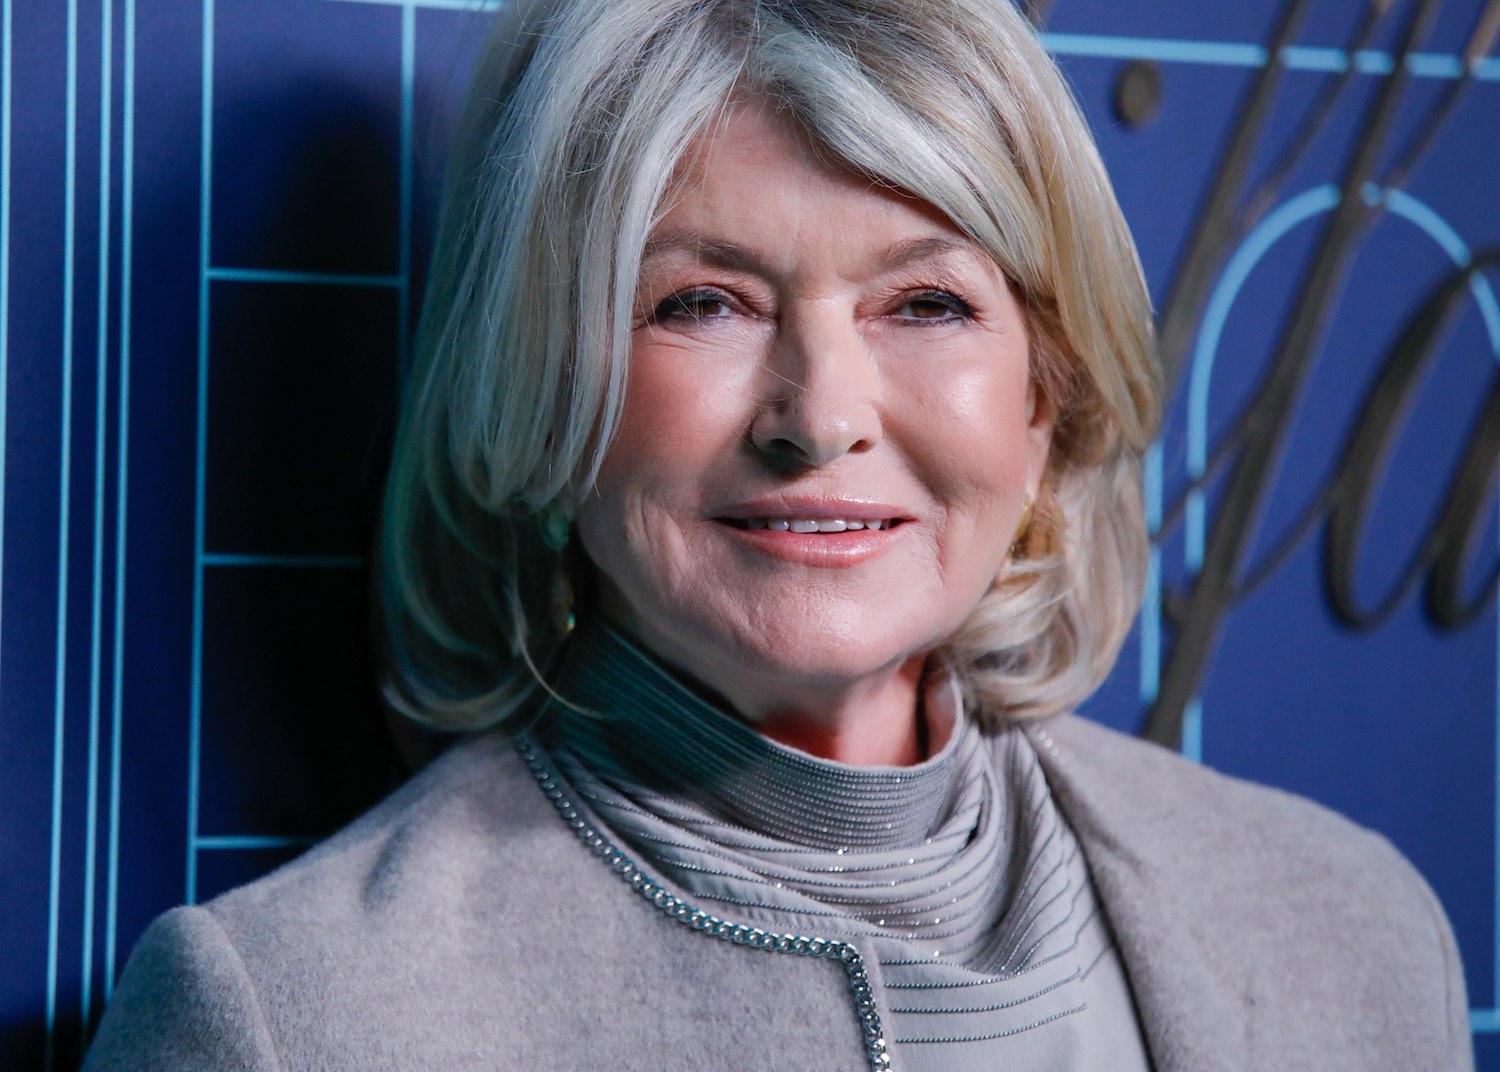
(809, 524)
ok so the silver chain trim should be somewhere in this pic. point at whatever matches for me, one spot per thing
(738, 933)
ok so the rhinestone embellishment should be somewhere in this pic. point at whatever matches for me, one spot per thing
(676, 908)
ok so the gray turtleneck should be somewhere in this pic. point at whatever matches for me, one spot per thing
(958, 876)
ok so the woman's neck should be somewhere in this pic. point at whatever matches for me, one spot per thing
(869, 724)
(874, 719)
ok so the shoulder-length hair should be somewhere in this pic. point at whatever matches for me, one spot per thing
(579, 113)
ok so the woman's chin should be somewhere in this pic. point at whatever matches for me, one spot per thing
(832, 658)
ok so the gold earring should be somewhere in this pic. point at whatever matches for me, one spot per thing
(1022, 527)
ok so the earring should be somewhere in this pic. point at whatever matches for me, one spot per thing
(557, 529)
(563, 619)
(1022, 527)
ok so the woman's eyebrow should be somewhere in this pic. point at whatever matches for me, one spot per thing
(933, 247)
(718, 252)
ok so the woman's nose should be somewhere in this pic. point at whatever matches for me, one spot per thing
(821, 393)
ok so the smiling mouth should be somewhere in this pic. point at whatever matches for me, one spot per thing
(812, 524)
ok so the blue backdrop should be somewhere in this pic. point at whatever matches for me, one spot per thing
(213, 215)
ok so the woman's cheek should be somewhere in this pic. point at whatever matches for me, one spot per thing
(680, 393)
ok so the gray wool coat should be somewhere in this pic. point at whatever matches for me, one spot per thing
(462, 925)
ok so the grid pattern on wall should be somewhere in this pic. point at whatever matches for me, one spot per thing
(211, 220)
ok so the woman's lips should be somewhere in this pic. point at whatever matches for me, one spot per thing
(832, 536)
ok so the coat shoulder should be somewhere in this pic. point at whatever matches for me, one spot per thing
(450, 824)
(1245, 905)
(365, 924)
(1175, 807)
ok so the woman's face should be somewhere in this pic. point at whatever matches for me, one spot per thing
(810, 352)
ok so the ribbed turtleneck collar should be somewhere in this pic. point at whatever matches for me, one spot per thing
(958, 877)
(632, 720)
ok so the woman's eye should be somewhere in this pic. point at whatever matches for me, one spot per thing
(934, 306)
(692, 305)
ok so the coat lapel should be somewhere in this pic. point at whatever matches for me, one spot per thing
(1144, 871)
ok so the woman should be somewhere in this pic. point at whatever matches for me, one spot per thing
(766, 496)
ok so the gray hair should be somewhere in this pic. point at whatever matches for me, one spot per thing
(579, 113)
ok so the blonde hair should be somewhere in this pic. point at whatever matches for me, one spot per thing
(579, 113)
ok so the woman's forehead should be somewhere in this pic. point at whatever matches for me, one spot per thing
(755, 172)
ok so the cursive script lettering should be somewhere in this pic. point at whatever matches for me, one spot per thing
(1247, 456)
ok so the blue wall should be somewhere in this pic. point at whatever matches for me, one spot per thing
(211, 223)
